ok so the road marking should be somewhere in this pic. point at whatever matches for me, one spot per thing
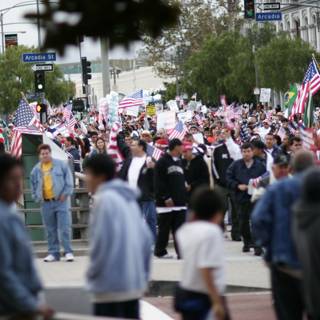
(150, 312)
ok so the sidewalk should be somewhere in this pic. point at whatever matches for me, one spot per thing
(243, 270)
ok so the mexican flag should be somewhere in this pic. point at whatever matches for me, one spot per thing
(308, 113)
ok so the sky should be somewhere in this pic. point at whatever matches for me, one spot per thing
(90, 49)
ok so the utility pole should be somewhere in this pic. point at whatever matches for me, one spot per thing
(105, 67)
(256, 70)
(2, 33)
(38, 24)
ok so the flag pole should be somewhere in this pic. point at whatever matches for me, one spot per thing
(24, 97)
(315, 60)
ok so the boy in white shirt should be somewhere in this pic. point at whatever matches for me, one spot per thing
(201, 244)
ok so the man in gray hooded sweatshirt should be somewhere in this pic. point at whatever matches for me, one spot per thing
(120, 243)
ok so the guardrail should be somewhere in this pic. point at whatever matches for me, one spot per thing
(80, 210)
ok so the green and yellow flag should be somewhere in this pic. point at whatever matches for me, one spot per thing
(290, 97)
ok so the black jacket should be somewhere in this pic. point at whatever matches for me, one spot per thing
(74, 154)
(221, 160)
(306, 226)
(196, 173)
(145, 180)
(170, 181)
(238, 173)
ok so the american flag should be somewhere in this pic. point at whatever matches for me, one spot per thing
(244, 132)
(154, 152)
(113, 149)
(25, 122)
(310, 85)
(70, 120)
(178, 132)
(133, 100)
(306, 135)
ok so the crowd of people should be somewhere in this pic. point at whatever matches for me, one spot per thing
(247, 167)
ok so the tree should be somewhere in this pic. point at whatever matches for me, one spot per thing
(198, 21)
(206, 70)
(283, 61)
(226, 64)
(17, 77)
(241, 78)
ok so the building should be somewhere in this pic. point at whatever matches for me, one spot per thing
(134, 75)
(301, 21)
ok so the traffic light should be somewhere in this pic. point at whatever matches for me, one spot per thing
(249, 12)
(42, 109)
(86, 70)
(39, 81)
(78, 105)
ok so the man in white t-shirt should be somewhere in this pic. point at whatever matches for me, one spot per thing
(138, 170)
(201, 244)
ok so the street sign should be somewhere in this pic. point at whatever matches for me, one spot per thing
(268, 16)
(271, 6)
(11, 40)
(34, 96)
(39, 57)
(42, 67)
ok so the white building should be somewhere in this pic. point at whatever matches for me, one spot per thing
(301, 21)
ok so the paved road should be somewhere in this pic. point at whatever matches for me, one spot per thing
(242, 306)
(243, 269)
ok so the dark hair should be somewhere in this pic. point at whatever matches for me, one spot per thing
(310, 186)
(100, 164)
(247, 145)
(93, 133)
(278, 139)
(206, 203)
(174, 143)
(142, 144)
(7, 163)
(43, 147)
(302, 161)
(295, 139)
(258, 144)
(70, 140)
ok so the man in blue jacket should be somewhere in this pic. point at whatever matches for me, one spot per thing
(238, 175)
(52, 185)
(272, 228)
(20, 286)
(120, 243)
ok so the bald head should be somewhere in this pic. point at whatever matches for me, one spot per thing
(302, 161)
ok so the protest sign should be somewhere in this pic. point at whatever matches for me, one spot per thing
(198, 137)
(166, 120)
(185, 116)
(132, 111)
(151, 110)
(172, 104)
(265, 95)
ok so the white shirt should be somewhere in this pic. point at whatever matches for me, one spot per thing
(202, 246)
(134, 170)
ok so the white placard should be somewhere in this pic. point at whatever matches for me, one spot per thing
(132, 111)
(265, 95)
(172, 104)
(198, 137)
(166, 120)
(185, 116)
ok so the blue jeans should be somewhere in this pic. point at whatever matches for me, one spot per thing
(56, 218)
(149, 213)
